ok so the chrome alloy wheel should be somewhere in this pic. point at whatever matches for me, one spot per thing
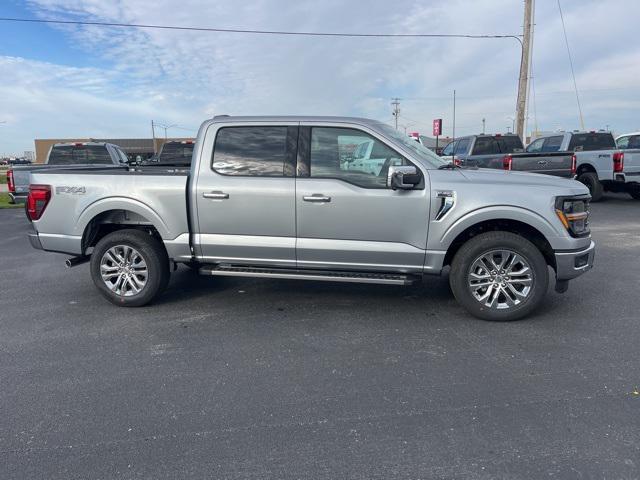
(123, 270)
(500, 279)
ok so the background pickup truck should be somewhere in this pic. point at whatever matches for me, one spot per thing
(600, 164)
(272, 197)
(176, 153)
(65, 155)
(505, 152)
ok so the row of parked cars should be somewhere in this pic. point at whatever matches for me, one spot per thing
(595, 158)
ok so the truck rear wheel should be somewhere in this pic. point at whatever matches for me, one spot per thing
(634, 192)
(499, 276)
(130, 267)
(590, 179)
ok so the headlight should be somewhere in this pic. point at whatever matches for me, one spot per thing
(573, 212)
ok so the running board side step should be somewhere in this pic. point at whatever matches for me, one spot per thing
(318, 275)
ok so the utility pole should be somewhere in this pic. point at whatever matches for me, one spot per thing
(153, 134)
(525, 62)
(484, 122)
(396, 109)
(454, 116)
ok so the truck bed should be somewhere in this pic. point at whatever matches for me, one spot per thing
(143, 196)
(559, 164)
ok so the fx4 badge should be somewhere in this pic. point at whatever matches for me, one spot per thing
(71, 190)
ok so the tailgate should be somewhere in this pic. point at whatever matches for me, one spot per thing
(632, 165)
(21, 180)
(559, 164)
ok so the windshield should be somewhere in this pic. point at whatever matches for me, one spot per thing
(420, 151)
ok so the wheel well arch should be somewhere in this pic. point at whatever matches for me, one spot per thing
(110, 221)
(585, 167)
(505, 225)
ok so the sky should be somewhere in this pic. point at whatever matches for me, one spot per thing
(70, 81)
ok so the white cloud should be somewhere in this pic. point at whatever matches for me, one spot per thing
(183, 77)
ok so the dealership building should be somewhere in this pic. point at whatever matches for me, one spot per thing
(133, 147)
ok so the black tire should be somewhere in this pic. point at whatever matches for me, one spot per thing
(482, 244)
(152, 252)
(634, 192)
(590, 179)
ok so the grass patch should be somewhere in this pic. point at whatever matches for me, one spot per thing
(4, 202)
(3, 177)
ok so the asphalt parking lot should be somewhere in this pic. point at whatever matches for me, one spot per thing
(241, 378)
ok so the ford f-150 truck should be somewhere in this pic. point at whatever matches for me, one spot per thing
(271, 197)
(505, 152)
(600, 164)
(65, 155)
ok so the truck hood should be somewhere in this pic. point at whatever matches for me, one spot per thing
(509, 178)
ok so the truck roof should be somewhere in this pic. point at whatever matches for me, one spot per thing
(293, 118)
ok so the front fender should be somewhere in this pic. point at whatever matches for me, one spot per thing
(555, 234)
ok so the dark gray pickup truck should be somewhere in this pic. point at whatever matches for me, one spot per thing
(65, 155)
(506, 152)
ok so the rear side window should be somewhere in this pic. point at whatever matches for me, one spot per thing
(251, 151)
(79, 155)
(592, 141)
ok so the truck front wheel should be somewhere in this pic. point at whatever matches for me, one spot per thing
(499, 276)
(591, 181)
(130, 267)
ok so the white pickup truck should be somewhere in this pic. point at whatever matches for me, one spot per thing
(601, 165)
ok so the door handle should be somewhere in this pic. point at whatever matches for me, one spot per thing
(317, 198)
(216, 195)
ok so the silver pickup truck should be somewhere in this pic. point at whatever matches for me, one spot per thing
(506, 152)
(601, 165)
(65, 155)
(272, 197)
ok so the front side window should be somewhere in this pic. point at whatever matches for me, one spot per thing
(251, 151)
(367, 167)
(622, 142)
(462, 146)
(536, 146)
(448, 150)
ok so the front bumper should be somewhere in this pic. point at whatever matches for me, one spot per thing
(573, 264)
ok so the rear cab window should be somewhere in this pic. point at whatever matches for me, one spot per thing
(79, 155)
(592, 141)
(176, 153)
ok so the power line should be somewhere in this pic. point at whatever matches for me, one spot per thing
(573, 75)
(255, 32)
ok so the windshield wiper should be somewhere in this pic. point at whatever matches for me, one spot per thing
(449, 166)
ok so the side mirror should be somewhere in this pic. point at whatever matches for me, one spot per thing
(403, 178)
